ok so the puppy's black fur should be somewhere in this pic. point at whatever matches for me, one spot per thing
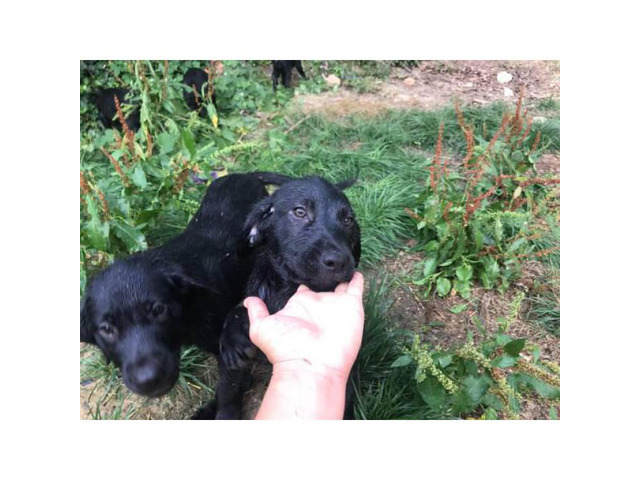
(197, 78)
(305, 233)
(282, 69)
(142, 309)
(106, 105)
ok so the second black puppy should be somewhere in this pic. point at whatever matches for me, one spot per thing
(282, 69)
(305, 233)
(106, 105)
(195, 79)
(142, 309)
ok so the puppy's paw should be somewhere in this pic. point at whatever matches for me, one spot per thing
(206, 412)
(236, 351)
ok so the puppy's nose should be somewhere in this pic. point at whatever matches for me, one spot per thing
(333, 260)
(147, 376)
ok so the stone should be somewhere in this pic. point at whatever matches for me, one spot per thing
(332, 80)
(504, 77)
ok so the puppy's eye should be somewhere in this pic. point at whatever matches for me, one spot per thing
(299, 212)
(348, 220)
(107, 330)
(148, 306)
(158, 309)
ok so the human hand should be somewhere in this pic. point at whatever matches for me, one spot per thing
(321, 332)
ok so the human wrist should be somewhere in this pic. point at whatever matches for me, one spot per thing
(301, 390)
(306, 370)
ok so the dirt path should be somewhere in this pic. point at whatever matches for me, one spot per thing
(434, 84)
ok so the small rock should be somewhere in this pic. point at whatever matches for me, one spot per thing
(504, 77)
(539, 119)
(468, 85)
(479, 101)
(332, 80)
(409, 81)
(508, 92)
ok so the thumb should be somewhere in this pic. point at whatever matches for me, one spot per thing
(256, 308)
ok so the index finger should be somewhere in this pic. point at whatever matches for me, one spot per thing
(356, 285)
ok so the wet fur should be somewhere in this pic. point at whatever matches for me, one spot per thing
(287, 254)
(197, 278)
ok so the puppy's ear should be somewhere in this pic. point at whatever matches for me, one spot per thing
(86, 314)
(257, 223)
(181, 281)
(346, 183)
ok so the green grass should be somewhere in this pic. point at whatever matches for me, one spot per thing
(544, 306)
(385, 393)
(388, 154)
(107, 379)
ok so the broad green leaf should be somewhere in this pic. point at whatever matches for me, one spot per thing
(490, 414)
(144, 113)
(402, 361)
(553, 413)
(498, 231)
(213, 115)
(459, 308)
(445, 360)
(138, 177)
(432, 246)
(463, 288)
(489, 274)
(514, 347)
(443, 230)
(487, 282)
(536, 353)
(131, 237)
(430, 265)
(168, 106)
(443, 286)
(107, 138)
(542, 388)
(97, 231)
(189, 143)
(492, 401)
(478, 237)
(432, 392)
(447, 262)
(504, 361)
(464, 272)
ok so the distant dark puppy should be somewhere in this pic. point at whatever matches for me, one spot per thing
(282, 69)
(142, 309)
(305, 233)
(106, 105)
(195, 79)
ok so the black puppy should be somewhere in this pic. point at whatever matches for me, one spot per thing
(142, 309)
(282, 69)
(195, 79)
(106, 105)
(305, 233)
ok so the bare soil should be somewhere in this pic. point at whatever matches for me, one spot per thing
(436, 324)
(434, 84)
